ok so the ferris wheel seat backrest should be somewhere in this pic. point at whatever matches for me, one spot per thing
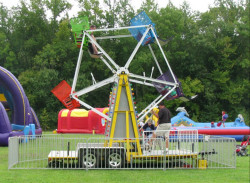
(78, 25)
(62, 92)
(164, 89)
(142, 19)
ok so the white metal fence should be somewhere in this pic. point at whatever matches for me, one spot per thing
(223, 151)
(186, 150)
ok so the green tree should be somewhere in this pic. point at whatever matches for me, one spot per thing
(57, 7)
(30, 32)
(38, 85)
(92, 9)
(148, 6)
(60, 55)
(7, 57)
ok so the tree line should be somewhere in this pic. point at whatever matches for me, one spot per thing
(208, 52)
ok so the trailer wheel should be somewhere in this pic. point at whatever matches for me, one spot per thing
(115, 158)
(54, 164)
(89, 159)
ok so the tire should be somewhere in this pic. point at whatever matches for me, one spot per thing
(89, 159)
(246, 152)
(115, 158)
(54, 164)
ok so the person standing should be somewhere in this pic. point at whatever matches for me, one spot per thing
(164, 124)
(224, 117)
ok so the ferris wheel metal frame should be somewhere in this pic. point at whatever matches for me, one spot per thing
(118, 70)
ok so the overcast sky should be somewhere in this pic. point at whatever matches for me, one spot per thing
(198, 5)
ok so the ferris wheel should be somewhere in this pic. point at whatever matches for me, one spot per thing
(122, 118)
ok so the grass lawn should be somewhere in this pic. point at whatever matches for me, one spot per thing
(240, 174)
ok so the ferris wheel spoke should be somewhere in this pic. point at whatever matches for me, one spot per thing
(164, 56)
(103, 51)
(136, 48)
(95, 86)
(107, 64)
(156, 61)
(154, 104)
(141, 82)
(91, 108)
(152, 80)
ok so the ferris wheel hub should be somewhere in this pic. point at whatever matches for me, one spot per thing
(122, 70)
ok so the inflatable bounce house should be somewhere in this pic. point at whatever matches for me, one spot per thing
(236, 129)
(81, 121)
(16, 116)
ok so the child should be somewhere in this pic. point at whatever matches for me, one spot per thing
(92, 47)
(212, 125)
(224, 117)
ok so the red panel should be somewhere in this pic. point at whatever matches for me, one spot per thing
(62, 92)
(79, 123)
(224, 131)
(59, 123)
(62, 121)
(95, 121)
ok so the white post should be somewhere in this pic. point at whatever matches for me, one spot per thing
(155, 59)
(165, 58)
(136, 48)
(93, 78)
(152, 71)
(78, 66)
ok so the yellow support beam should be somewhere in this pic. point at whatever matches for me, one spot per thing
(123, 82)
(132, 113)
(113, 123)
